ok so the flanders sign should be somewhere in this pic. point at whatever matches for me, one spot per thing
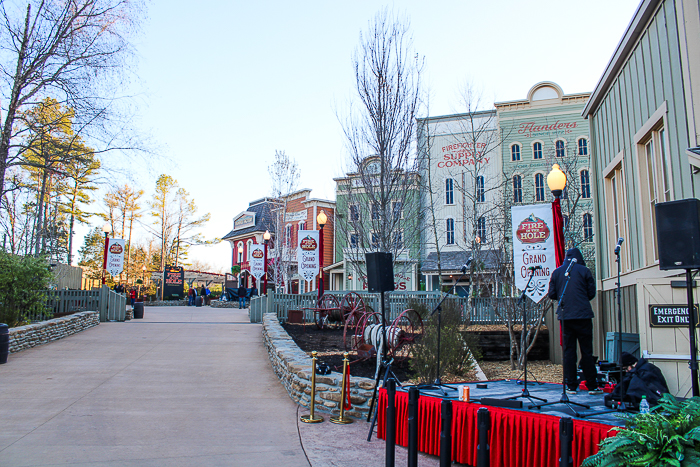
(670, 316)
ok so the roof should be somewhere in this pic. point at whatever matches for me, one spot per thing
(263, 220)
(452, 261)
(624, 48)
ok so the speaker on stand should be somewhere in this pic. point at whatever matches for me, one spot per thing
(678, 242)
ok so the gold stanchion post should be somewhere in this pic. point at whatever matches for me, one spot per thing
(342, 420)
(311, 418)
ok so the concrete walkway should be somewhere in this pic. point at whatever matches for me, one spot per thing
(182, 387)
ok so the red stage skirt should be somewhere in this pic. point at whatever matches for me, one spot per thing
(517, 438)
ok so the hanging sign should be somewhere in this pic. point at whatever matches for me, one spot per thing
(533, 246)
(307, 254)
(115, 256)
(257, 261)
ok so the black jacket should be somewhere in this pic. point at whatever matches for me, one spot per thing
(579, 292)
(242, 291)
(645, 379)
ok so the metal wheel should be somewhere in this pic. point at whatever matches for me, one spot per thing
(408, 328)
(324, 312)
(359, 330)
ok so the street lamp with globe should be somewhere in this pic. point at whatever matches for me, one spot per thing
(266, 239)
(106, 229)
(556, 180)
(321, 220)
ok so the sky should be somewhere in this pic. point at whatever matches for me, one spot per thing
(223, 85)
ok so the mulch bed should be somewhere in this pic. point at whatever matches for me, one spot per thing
(329, 345)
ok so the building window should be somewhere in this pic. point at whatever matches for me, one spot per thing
(539, 187)
(566, 223)
(375, 211)
(302, 225)
(450, 230)
(616, 215)
(583, 147)
(517, 189)
(515, 152)
(375, 240)
(480, 191)
(481, 229)
(585, 184)
(559, 146)
(354, 240)
(239, 250)
(449, 191)
(537, 150)
(397, 240)
(397, 210)
(587, 227)
(288, 234)
(354, 212)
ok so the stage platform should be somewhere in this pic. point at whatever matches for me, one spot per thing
(518, 437)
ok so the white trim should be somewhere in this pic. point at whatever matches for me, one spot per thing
(651, 122)
(617, 161)
(660, 356)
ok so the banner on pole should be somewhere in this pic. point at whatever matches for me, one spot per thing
(257, 261)
(533, 246)
(115, 256)
(307, 254)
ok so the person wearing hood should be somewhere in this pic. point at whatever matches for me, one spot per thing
(576, 316)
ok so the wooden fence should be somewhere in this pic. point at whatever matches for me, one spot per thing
(111, 305)
(480, 311)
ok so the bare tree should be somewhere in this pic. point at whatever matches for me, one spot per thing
(72, 50)
(381, 193)
(284, 178)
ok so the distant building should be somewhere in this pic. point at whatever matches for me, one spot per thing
(543, 129)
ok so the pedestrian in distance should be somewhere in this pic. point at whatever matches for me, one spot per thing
(576, 317)
(242, 291)
(190, 297)
(132, 295)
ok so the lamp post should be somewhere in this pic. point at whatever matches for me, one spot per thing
(143, 278)
(556, 180)
(106, 229)
(240, 260)
(266, 239)
(321, 220)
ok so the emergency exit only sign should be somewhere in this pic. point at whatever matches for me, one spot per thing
(670, 315)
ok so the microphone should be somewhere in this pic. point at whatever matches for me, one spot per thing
(534, 268)
(466, 265)
(571, 263)
(617, 247)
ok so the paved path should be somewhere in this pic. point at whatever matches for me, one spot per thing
(182, 387)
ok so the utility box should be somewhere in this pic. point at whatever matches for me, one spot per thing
(630, 344)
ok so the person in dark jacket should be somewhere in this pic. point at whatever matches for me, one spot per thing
(576, 317)
(242, 291)
(643, 378)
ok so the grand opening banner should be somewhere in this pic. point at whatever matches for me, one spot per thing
(307, 254)
(115, 256)
(257, 261)
(533, 245)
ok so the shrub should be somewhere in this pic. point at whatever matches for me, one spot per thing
(667, 436)
(457, 349)
(23, 282)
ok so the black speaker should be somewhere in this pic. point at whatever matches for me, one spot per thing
(380, 272)
(678, 234)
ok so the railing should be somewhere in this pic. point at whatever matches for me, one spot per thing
(481, 311)
(110, 304)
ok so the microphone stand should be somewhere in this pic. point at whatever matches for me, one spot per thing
(438, 382)
(523, 349)
(564, 399)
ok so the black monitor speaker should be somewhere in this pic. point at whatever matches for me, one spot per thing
(380, 272)
(678, 234)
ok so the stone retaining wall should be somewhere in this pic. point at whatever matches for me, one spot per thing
(293, 368)
(220, 304)
(166, 303)
(31, 335)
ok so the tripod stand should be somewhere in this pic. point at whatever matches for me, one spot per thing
(523, 349)
(564, 399)
(438, 309)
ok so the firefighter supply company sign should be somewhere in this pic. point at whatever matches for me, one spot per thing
(115, 256)
(533, 248)
(307, 254)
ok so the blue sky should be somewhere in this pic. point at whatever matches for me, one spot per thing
(224, 84)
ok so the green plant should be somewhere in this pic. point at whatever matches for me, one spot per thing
(667, 436)
(458, 350)
(236, 269)
(23, 282)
